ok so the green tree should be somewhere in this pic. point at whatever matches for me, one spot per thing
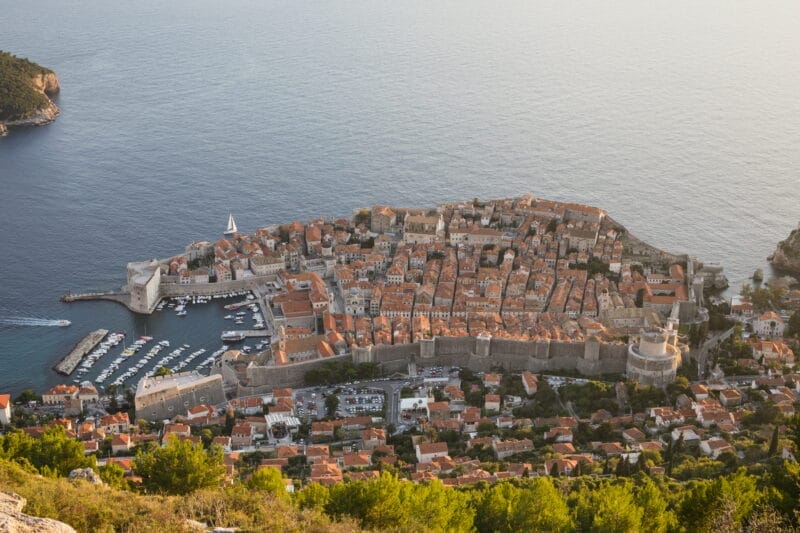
(793, 326)
(56, 454)
(179, 467)
(331, 405)
(163, 371)
(269, 480)
(656, 517)
(113, 474)
(616, 510)
(26, 396)
(313, 496)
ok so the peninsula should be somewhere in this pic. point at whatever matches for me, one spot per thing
(527, 283)
(25, 91)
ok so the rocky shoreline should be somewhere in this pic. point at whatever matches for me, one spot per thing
(787, 254)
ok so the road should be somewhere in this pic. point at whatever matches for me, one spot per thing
(700, 355)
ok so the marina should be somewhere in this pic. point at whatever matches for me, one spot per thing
(67, 365)
(177, 337)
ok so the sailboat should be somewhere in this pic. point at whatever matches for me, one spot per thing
(231, 229)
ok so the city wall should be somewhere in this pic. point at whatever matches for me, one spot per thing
(262, 379)
(479, 354)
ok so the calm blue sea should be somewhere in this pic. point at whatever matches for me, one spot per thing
(681, 118)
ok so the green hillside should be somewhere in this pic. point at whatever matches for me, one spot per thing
(18, 95)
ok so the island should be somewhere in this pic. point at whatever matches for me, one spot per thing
(25, 91)
(787, 254)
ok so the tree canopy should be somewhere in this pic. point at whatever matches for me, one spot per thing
(180, 467)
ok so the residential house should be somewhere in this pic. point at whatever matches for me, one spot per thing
(716, 446)
(530, 382)
(121, 443)
(428, 451)
(115, 424)
(5, 409)
(242, 435)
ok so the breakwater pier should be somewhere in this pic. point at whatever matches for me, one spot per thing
(68, 364)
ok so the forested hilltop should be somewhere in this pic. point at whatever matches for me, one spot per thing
(183, 487)
(25, 88)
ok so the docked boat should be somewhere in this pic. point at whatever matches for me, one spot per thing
(182, 312)
(232, 336)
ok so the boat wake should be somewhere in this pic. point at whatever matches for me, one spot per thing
(27, 321)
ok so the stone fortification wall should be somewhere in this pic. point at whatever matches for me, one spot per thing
(612, 360)
(454, 346)
(209, 289)
(590, 358)
(395, 358)
(174, 401)
(261, 379)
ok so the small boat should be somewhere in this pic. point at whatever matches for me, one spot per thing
(63, 323)
(228, 317)
(182, 312)
(232, 336)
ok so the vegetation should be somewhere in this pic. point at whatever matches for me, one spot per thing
(340, 372)
(763, 298)
(179, 467)
(19, 98)
(728, 500)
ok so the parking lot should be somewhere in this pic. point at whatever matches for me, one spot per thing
(360, 401)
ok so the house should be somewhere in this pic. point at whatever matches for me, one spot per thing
(559, 434)
(242, 435)
(60, 394)
(563, 448)
(90, 446)
(690, 434)
(222, 441)
(730, 397)
(769, 324)
(438, 410)
(356, 460)
(716, 446)
(5, 409)
(492, 402)
(767, 351)
(559, 467)
(115, 424)
(491, 381)
(633, 435)
(180, 430)
(317, 453)
(507, 448)
(373, 438)
(121, 443)
(428, 451)
(530, 382)
(326, 473)
(699, 391)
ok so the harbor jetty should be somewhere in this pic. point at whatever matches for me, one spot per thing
(67, 365)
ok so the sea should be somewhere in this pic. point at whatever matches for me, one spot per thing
(680, 118)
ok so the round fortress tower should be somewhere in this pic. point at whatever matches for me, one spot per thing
(656, 358)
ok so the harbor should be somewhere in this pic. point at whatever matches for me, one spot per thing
(67, 365)
(184, 333)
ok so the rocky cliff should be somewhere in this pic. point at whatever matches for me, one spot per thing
(25, 91)
(787, 253)
(13, 520)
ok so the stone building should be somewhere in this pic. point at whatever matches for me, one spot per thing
(656, 357)
(161, 397)
(143, 283)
